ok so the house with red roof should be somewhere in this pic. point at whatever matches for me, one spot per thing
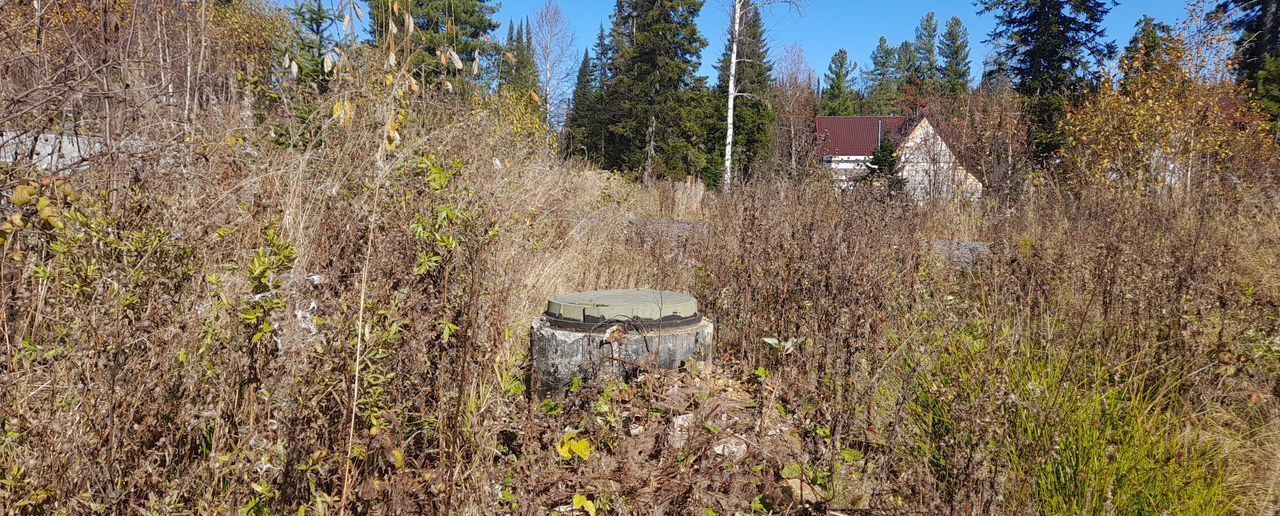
(926, 162)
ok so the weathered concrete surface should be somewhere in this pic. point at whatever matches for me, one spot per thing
(681, 235)
(561, 355)
(69, 153)
(47, 151)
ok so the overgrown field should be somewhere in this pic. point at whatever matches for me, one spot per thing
(259, 299)
(269, 328)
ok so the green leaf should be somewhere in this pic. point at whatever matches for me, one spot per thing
(792, 471)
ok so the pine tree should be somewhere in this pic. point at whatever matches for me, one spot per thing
(907, 72)
(954, 49)
(461, 26)
(752, 114)
(883, 81)
(905, 65)
(1052, 48)
(927, 72)
(653, 94)
(839, 97)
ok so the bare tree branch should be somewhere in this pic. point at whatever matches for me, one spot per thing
(553, 49)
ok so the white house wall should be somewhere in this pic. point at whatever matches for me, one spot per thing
(847, 168)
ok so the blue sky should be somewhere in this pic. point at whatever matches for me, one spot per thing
(825, 26)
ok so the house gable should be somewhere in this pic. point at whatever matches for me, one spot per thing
(930, 168)
(926, 161)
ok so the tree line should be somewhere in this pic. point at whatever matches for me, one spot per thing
(637, 104)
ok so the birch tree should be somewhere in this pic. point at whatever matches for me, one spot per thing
(553, 47)
(739, 9)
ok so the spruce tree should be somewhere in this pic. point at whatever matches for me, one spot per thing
(1053, 49)
(927, 72)
(507, 59)
(622, 32)
(581, 121)
(883, 81)
(1258, 23)
(884, 166)
(313, 43)
(462, 26)
(603, 58)
(839, 97)
(954, 49)
(526, 69)
(653, 94)
(1147, 51)
(752, 114)
(517, 67)
(1267, 86)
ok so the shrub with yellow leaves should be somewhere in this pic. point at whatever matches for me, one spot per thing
(1173, 122)
(520, 112)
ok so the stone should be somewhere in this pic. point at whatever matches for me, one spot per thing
(957, 253)
(733, 447)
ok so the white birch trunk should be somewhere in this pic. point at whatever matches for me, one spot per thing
(733, 94)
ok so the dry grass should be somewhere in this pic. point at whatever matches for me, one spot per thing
(1112, 349)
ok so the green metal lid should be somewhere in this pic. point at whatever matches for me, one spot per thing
(622, 305)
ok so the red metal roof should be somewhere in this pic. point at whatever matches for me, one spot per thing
(855, 135)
